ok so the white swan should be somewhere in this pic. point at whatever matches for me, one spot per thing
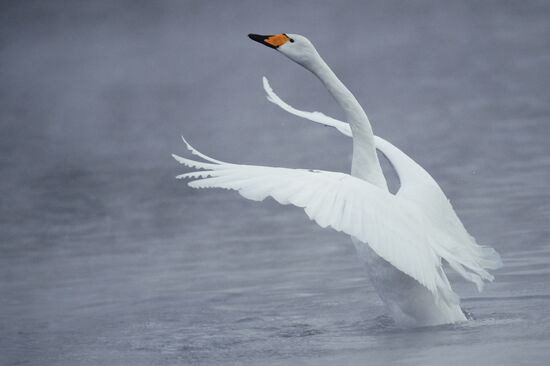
(402, 238)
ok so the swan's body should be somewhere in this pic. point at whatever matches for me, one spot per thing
(402, 238)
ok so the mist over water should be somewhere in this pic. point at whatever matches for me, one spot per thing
(106, 258)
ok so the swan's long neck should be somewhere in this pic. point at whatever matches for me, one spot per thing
(365, 164)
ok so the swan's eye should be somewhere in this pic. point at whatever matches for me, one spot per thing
(291, 40)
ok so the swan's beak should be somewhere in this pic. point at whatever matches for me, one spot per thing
(272, 41)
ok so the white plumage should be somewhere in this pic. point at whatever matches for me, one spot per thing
(401, 237)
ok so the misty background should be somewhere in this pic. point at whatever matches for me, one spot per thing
(106, 258)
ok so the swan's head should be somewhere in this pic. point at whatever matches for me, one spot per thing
(294, 46)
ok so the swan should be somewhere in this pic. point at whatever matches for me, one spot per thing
(403, 238)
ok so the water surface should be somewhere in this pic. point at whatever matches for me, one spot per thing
(106, 259)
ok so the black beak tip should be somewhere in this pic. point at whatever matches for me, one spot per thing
(260, 39)
(256, 37)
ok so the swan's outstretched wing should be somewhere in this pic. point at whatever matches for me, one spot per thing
(317, 117)
(396, 231)
(417, 185)
(413, 177)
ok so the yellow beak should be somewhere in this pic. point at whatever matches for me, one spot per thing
(272, 41)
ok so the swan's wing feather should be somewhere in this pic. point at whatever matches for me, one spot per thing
(394, 230)
(416, 185)
(317, 117)
(463, 253)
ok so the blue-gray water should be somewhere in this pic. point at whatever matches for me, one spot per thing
(106, 259)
